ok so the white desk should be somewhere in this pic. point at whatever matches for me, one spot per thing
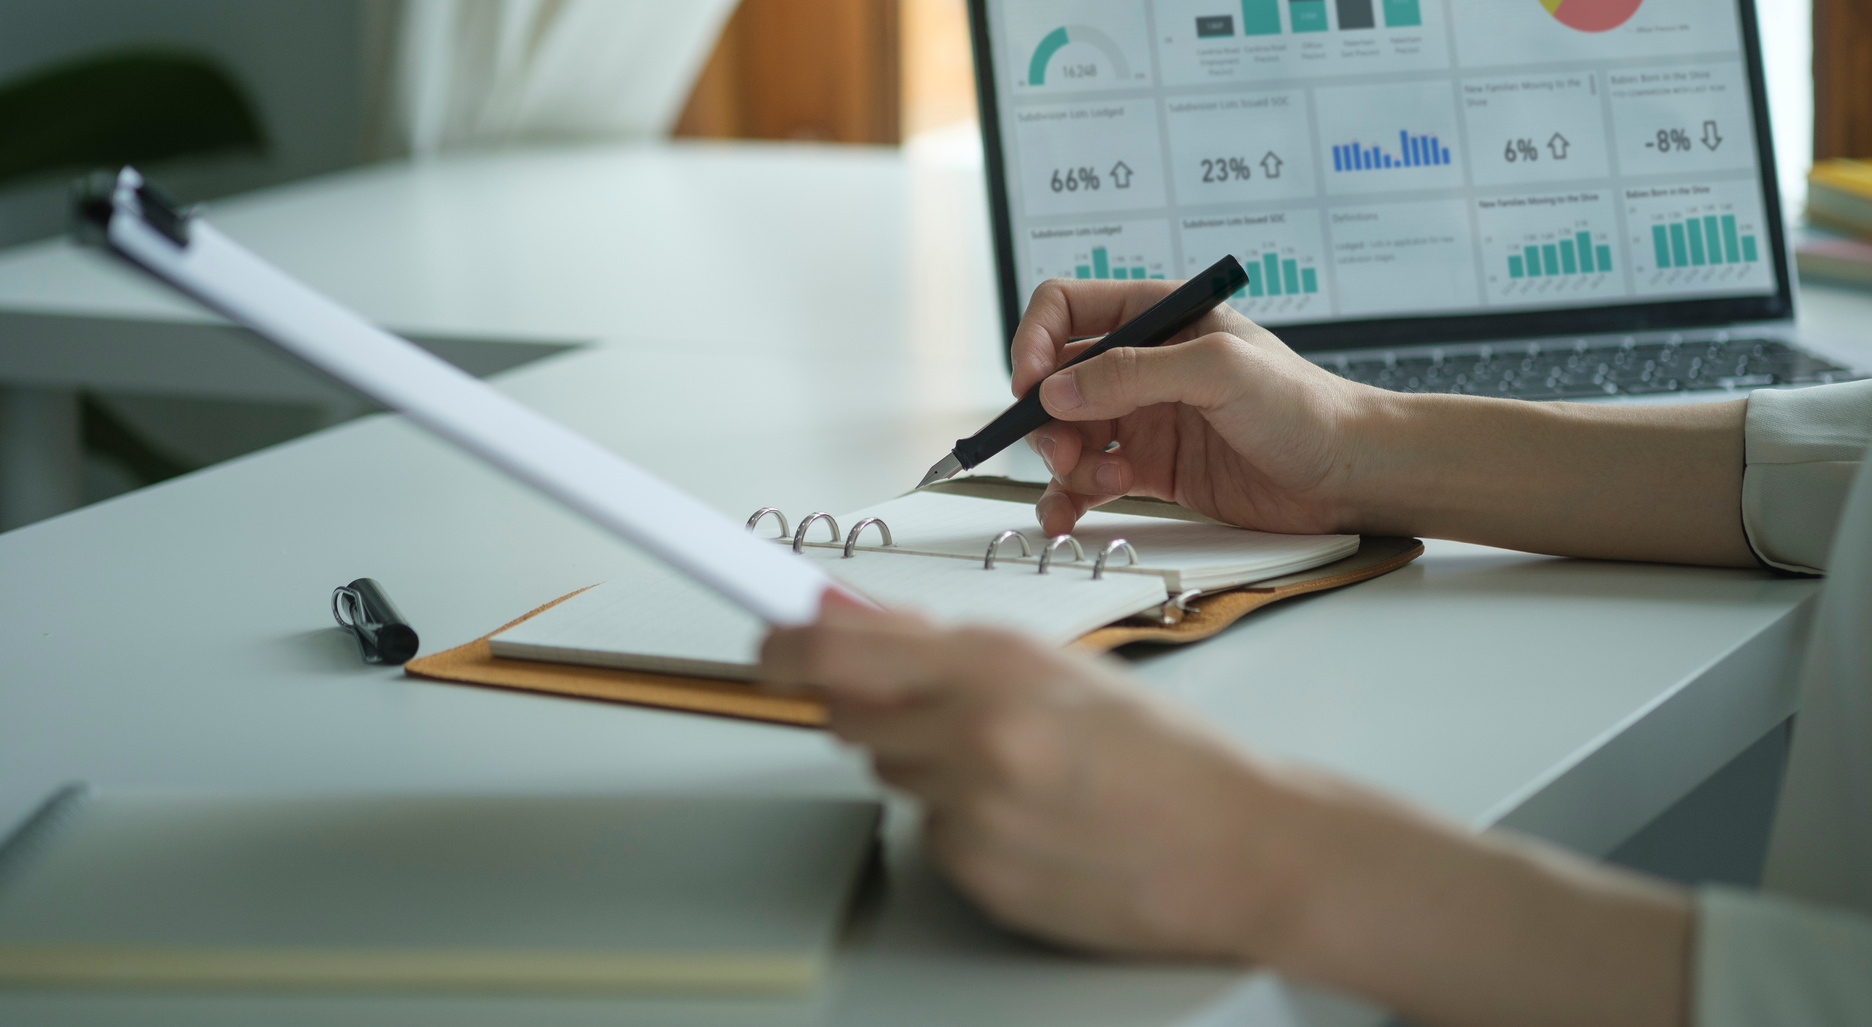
(180, 636)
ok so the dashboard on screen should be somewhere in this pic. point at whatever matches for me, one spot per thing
(1391, 170)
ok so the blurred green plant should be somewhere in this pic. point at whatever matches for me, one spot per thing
(121, 107)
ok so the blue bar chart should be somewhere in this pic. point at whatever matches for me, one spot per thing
(1413, 151)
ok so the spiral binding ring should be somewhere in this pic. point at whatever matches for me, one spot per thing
(995, 546)
(754, 521)
(1176, 609)
(1098, 566)
(799, 535)
(858, 529)
(1046, 555)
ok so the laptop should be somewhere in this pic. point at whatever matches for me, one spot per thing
(1541, 199)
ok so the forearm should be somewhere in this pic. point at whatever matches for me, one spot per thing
(1446, 928)
(1617, 482)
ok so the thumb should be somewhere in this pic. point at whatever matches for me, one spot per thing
(1202, 373)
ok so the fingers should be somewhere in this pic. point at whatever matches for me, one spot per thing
(1203, 373)
(1063, 445)
(1065, 309)
(1059, 508)
(866, 655)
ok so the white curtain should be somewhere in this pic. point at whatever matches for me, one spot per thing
(485, 73)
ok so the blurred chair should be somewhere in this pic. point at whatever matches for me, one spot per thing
(121, 107)
(128, 107)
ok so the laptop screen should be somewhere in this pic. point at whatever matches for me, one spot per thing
(1391, 172)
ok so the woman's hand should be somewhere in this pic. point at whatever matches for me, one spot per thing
(1225, 420)
(1057, 795)
(1230, 422)
(1072, 806)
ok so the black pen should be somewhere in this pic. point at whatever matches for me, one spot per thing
(1154, 327)
(364, 609)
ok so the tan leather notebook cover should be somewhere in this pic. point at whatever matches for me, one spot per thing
(475, 664)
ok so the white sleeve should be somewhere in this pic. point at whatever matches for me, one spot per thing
(1763, 961)
(1802, 448)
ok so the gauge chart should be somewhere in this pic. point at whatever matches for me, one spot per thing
(1076, 45)
(1065, 35)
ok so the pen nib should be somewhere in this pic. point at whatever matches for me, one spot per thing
(947, 467)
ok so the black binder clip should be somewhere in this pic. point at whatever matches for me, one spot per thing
(363, 609)
(94, 201)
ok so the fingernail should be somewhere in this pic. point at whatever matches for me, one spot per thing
(1108, 479)
(1046, 454)
(1062, 392)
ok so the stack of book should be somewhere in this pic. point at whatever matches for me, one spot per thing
(1839, 207)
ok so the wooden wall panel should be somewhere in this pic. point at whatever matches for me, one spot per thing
(802, 69)
(1842, 66)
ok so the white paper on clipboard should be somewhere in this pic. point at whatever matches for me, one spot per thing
(671, 525)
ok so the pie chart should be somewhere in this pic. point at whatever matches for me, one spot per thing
(1591, 15)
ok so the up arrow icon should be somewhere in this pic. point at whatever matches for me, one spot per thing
(1121, 175)
(1270, 165)
(1711, 138)
(1558, 145)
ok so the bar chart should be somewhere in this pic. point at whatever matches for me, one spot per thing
(1698, 237)
(1700, 241)
(1210, 42)
(1110, 251)
(1414, 151)
(1262, 17)
(1269, 274)
(1549, 248)
(1282, 252)
(1100, 264)
(1573, 254)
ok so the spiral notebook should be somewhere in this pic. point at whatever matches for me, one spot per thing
(954, 556)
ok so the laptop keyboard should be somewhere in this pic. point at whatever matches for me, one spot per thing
(1583, 370)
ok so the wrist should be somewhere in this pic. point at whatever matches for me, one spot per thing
(1283, 880)
(1389, 452)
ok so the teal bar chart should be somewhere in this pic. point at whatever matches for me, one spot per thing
(1103, 267)
(1701, 242)
(1573, 254)
(1269, 275)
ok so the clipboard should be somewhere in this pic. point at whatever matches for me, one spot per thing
(129, 218)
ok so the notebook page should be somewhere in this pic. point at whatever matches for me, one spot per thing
(1187, 554)
(659, 621)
